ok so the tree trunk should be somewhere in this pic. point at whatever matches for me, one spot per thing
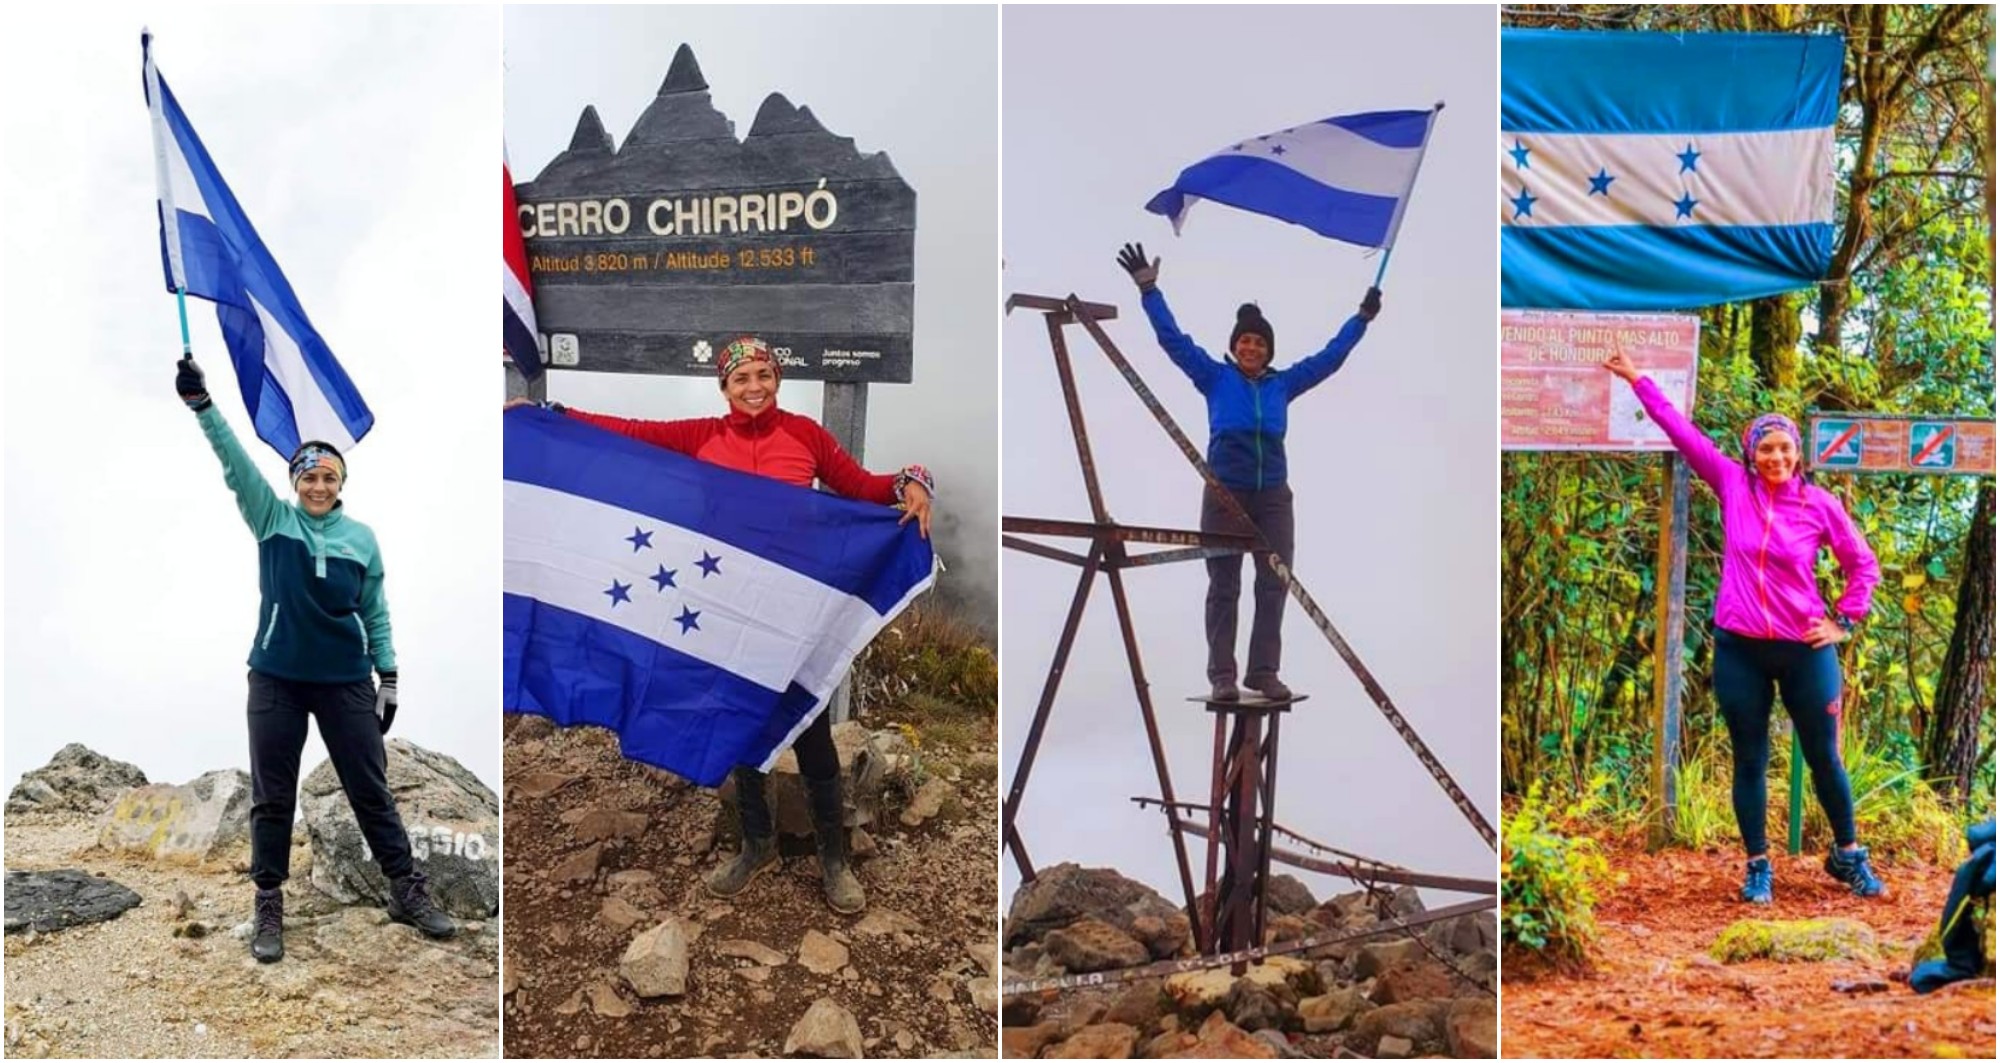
(1774, 341)
(1965, 690)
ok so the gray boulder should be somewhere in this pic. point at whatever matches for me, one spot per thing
(1066, 893)
(205, 821)
(454, 826)
(76, 779)
(53, 900)
(1288, 896)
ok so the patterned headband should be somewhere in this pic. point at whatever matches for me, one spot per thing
(312, 457)
(745, 349)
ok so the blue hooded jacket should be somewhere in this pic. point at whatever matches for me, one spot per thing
(1246, 418)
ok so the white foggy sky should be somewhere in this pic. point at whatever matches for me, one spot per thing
(1392, 460)
(920, 83)
(362, 144)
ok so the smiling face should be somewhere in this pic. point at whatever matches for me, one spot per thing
(319, 489)
(751, 388)
(1776, 457)
(1252, 353)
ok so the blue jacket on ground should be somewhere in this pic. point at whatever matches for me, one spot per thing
(323, 617)
(1246, 418)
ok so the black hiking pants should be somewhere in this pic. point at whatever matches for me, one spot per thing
(279, 709)
(1271, 511)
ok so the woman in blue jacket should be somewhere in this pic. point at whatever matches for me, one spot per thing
(1247, 406)
(322, 628)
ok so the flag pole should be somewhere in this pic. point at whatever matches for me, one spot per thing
(170, 225)
(1402, 202)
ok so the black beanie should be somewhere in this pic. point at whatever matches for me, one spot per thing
(1251, 319)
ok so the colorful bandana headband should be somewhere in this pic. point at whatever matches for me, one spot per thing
(311, 457)
(1764, 425)
(745, 349)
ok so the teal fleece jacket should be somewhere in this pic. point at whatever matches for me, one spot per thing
(323, 618)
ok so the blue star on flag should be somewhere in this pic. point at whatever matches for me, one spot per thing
(640, 538)
(664, 577)
(1524, 205)
(709, 565)
(1688, 157)
(687, 620)
(1601, 184)
(1520, 152)
(1277, 149)
(1684, 206)
(619, 592)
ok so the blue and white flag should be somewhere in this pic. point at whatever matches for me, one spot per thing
(1664, 171)
(291, 384)
(702, 613)
(1347, 177)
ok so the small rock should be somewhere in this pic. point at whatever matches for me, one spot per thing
(572, 1004)
(1393, 1047)
(539, 784)
(1471, 1029)
(882, 921)
(1092, 945)
(821, 954)
(754, 951)
(985, 996)
(1105, 1040)
(605, 1001)
(1288, 896)
(927, 802)
(600, 824)
(581, 867)
(1378, 956)
(861, 844)
(619, 914)
(1027, 1042)
(827, 1030)
(656, 963)
(754, 974)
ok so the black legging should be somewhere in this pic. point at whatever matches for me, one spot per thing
(345, 712)
(1808, 680)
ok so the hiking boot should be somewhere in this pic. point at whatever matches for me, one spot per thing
(410, 902)
(1850, 866)
(759, 851)
(268, 943)
(1224, 690)
(1270, 686)
(843, 890)
(1757, 881)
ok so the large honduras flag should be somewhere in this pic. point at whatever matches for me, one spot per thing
(290, 382)
(1662, 171)
(1347, 177)
(702, 613)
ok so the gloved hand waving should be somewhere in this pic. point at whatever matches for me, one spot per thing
(1133, 260)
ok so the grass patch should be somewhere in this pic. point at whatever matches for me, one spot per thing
(1800, 941)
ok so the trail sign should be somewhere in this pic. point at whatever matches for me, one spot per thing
(649, 256)
(1556, 395)
(1872, 442)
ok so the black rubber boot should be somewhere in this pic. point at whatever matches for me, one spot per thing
(268, 941)
(843, 890)
(759, 852)
(410, 902)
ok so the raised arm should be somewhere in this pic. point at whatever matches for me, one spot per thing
(260, 506)
(1189, 358)
(1703, 456)
(1310, 372)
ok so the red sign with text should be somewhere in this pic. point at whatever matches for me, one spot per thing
(1555, 393)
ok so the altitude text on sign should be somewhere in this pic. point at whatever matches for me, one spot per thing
(1556, 395)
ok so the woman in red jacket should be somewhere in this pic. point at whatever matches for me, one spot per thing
(755, 436)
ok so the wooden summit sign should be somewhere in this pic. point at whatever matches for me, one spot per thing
(650, 257)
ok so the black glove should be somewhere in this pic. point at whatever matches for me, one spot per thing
(1371, 304)
(191, 386)
(1133, 260)
(385, 701)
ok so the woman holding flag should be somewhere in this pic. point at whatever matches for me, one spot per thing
(1771, 627)
(757, 437)
(323, 626)
(1247, 406)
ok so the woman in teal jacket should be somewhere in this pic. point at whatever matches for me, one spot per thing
(1248, 402)
(322, 628)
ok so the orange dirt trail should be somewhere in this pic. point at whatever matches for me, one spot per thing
(1655, 992)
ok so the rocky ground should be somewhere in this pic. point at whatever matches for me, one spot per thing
(1658, 988)
(1390, 997)
(602, 851)
(171, 977)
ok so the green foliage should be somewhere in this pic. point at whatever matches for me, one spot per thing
(1704, 814)
(1798, 941)
(1549, 881)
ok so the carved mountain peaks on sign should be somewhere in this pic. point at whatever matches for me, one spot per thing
(683, 74)
(682, 140)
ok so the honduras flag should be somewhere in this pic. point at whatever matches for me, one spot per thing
(1347, 177)
(293, 388)
(702, 613)
(1664, 171)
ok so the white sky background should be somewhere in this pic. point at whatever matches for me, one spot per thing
(920, 83)
(362, 143)
(1393, 460)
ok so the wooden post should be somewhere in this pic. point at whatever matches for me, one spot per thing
(1670, 585)
(844, 412)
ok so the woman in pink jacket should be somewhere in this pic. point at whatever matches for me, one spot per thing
(1771, 627)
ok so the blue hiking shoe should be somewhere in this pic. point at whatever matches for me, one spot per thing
(1757, 881)
(1850, 866)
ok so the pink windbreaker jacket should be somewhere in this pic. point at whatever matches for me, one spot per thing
(1770, 538)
